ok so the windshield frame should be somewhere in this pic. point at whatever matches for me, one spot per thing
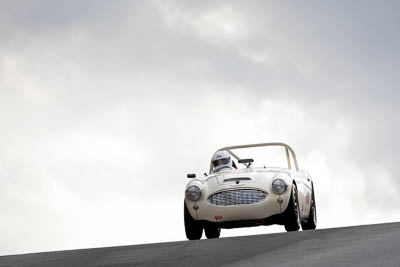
(288, 150)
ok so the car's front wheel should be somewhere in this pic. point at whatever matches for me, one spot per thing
(212, 230)
(193, 228)
(292, 214)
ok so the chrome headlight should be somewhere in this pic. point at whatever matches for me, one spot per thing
(193, 192)
(279, 186)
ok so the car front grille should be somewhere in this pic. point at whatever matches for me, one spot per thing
(237, 197)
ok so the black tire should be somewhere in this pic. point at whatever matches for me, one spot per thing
(292, 214)
(212, 230)
(311, 222)
(193, 228)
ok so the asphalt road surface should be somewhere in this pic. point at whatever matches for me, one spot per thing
(368, 245)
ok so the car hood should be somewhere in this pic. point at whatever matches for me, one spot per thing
(240, 178)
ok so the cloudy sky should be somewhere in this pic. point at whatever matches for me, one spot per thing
(106, 105)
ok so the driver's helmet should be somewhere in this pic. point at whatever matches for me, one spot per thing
(221, 160)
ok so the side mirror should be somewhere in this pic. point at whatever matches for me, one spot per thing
(191, 175)
(244, 161)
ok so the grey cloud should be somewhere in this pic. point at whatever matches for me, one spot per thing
(98, 99)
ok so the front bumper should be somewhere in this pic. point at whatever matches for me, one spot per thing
(273, 204)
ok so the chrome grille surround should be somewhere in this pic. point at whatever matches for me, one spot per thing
(237, 197)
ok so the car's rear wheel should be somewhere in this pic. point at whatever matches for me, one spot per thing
(193, 228)
(311, 222)
(292, 214)
(212, 230)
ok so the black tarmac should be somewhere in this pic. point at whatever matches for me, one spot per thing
(368, 245)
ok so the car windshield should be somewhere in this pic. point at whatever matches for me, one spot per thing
(267, 156)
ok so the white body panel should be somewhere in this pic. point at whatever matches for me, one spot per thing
(261, 178)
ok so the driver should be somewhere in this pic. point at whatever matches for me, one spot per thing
(222, 161)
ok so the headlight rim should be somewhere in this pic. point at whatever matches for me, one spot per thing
(191, 196)
(275, 190)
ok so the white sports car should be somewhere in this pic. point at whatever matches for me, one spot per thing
(234, 197)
